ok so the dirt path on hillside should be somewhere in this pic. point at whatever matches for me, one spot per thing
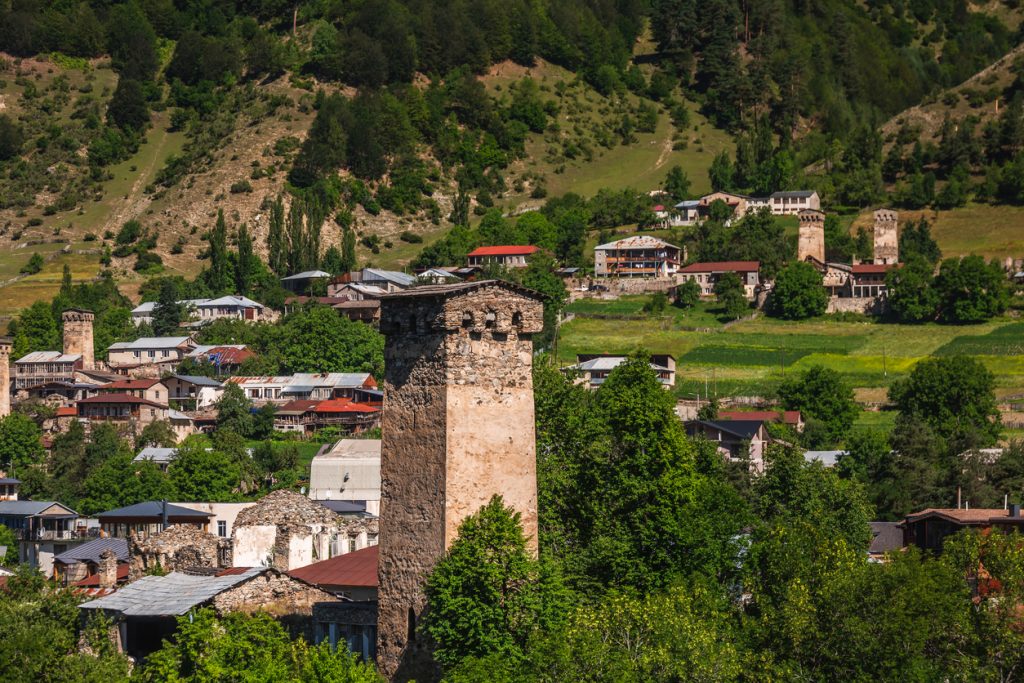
(666, 150)
(131, 207)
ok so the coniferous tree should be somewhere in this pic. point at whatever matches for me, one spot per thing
(246, 263)
(348, 251)
(219, 276)
(277, 255)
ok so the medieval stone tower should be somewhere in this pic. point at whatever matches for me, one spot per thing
(78, 334)
(458, 427)
(887, 245)
(811, 240)
(5, 376)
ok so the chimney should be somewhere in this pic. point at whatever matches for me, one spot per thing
(108, 569)
(163, 514)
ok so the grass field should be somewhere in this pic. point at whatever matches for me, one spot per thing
(752, 357)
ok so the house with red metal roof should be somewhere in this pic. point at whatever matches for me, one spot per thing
(152, 389)
(121, 409)
(929, 528)
(510, 256)
(352, 575)
(708, 273)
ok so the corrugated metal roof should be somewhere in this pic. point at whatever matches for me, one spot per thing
(143, 343)
(170, 595)
(91, 551)
(636, 242)
(357, 568)
(397, 277)
(505, 250)
(722, 267)
(198, 380)
(306, 275)
(49, 357)
(351, 448)
(155, 454)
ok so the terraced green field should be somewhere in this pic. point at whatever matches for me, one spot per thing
(753, 357)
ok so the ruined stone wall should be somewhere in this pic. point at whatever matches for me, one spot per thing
(78, 335)
(288, 600)
(177, 548)
(868, 305)
(254, 544)
(619, 286)
(886, 243)
(457, 428)
(811, 236)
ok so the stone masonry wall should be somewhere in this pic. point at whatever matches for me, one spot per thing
(811, 236)
(457, 428)
(78, 335)
(5, 376)
(886, 237)
(178, 547)
(279, 595)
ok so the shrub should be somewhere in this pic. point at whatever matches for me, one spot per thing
(34, 265)
(241, 186)
(410, 237)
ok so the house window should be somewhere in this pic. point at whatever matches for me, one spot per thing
(351, 544)
(222, 528)
(152, 354)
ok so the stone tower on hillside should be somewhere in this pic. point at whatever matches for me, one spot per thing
(457, 428)
(811, 240)
(78, 335)
(5, 376)
(887, 245)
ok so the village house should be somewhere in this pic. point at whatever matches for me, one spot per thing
(192, 392)
(929, 528)
(735, 439)
(355, 291)
(144, 613)
(226, 359)
(358, 386)
(148, 518)
(867, 280)
(790, 418)
(9, 487)
(150, 389)
(593, 368)
(637, 256)
(207, 310)
(159, 353)
(509, 256)
(68, 391)
(73, 566)
(348, 470)
(886, 537)
(45, 367)
(223, 515)
(301, 283)
(161, 457)
(121, 409)
(43, 530)
(792, 203)
(685, 213)
(738, 203)
(707, 274)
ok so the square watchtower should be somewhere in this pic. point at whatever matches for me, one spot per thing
(457, 428)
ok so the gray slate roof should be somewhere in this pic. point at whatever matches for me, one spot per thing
(306, 275)
(29, 508)
(799, 194)
(169, 596)
(152, 508)
(885, 536)
(198, 380)
(826, 458)
(91, 551)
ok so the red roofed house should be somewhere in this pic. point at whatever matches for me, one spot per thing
(226, 358)
(352, 575)
(787, 417)
(868, 280)
(707, 274)
(508, 256)
(344, 412)
(353, 622)
(150, 389)
(123, 409)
